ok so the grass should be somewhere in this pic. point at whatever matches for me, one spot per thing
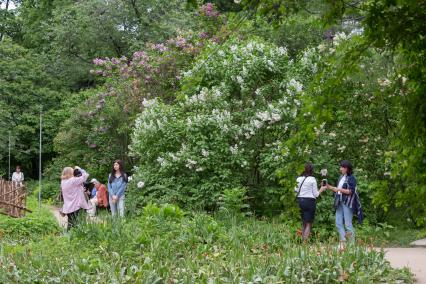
(31, 227)
(166, 245)
(403, 237)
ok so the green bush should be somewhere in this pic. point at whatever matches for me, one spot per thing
(31, 227)
(50, 190)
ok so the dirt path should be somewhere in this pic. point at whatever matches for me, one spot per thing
(413, 258)
(62, 221)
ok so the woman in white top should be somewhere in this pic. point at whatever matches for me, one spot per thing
(307, 192)
(18, 176)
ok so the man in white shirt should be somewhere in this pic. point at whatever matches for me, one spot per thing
(18, 176)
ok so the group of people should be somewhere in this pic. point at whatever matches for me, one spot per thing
(346, 200)
(76, 198)
(76, 201)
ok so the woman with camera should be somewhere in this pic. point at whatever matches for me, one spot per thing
(73, 193)
(346, 201)
(307, 192)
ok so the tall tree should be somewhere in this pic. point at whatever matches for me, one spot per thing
(25, 88)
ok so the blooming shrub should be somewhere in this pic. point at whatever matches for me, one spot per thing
(236, 105)
(100, 120)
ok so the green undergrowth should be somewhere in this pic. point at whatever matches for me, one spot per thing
(31, 227)
(167, 245)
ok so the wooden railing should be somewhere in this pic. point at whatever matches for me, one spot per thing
(13, 198)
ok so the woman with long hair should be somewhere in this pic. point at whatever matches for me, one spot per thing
(346, 202)
(73, 194)
(307, 192)
(117, 182)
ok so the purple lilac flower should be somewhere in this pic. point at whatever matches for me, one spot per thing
(160, 47)
(99, 61)
(115, 61)
(139, 54)
(180, 42)
(203, 35)
(208, 10)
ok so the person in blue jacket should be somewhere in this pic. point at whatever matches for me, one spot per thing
(117, 182)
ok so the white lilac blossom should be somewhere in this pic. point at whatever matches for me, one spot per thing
(324, 172)
(257, 123)
(240, 80)
(141, 184)
(295, 85)
(341, 148)
(204, 152)
(149, 103)
(282, 50)
(190, 163)
(383, 82)
(250, 46)
(173, 156)
(161, 161)
(339, 38)
(234, 149)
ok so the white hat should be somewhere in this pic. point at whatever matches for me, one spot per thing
(93, 180)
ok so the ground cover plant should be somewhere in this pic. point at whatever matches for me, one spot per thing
(167, 245)
(29, 228)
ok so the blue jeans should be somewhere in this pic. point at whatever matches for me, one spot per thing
(118, 206)
(344, 217)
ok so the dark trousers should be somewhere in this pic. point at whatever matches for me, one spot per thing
(73, 219)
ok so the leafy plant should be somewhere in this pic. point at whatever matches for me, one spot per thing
(234, 202)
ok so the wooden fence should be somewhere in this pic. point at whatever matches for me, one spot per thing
(13, 197)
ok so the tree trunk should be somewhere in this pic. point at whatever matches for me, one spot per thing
(7, 8)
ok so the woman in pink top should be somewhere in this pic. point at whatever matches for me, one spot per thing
(73, 193)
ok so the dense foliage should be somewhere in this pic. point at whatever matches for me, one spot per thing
(236, 104)
(227, 100)
(25, 90)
